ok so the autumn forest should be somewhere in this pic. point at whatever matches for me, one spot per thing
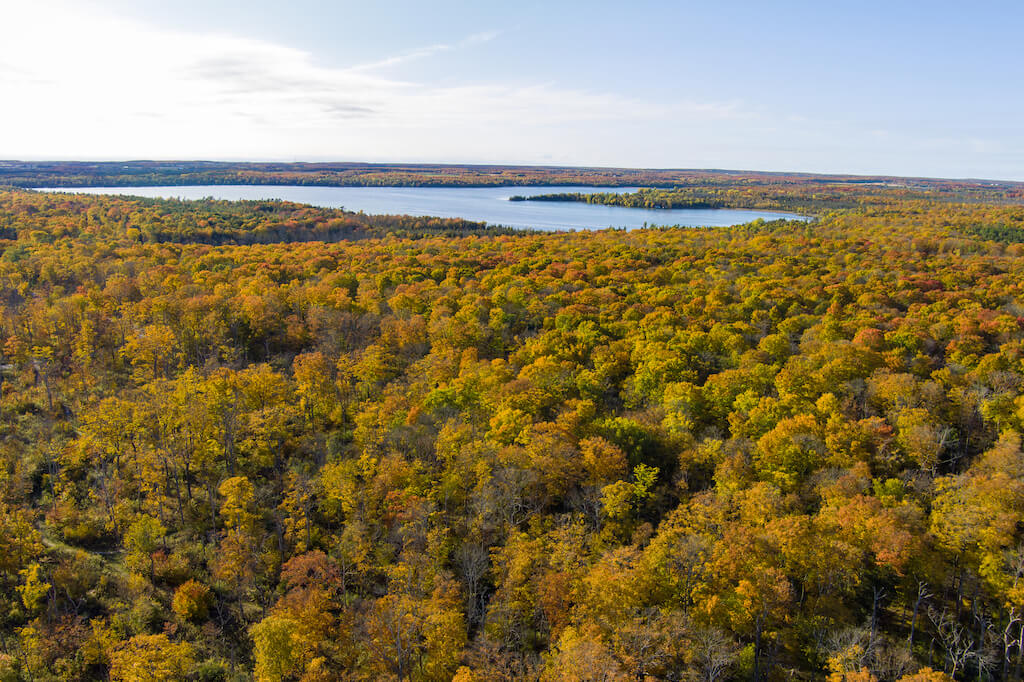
(261, 440)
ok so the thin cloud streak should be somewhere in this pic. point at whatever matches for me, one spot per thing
(421, 53)
(425, 52)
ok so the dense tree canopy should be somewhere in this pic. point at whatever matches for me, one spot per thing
(267, 441)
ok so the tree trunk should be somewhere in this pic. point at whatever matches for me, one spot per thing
(757, 650)
(876, 596)
(922, 594)
(1020, 653)
(213, 507)
(188, 480)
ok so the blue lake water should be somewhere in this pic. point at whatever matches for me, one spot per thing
(487, 204)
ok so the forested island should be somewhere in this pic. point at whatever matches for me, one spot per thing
(815, 193)
(261, 440)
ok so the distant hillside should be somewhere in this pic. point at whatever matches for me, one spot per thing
(149, 173)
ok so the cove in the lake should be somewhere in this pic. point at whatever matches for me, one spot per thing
(486, 204)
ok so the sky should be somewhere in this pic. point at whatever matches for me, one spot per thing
(905, 87)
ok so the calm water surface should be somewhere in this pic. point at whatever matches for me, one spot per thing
(487, 204)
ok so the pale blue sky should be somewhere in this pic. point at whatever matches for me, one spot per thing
(911, 88)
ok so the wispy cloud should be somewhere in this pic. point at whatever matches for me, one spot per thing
(481, 37)
(402, 58)
(430, 51)
(412, 55)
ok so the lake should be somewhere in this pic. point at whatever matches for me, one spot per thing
(486, 204)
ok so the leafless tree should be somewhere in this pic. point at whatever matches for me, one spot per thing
(892, 660)
(955, 638)
(849, 641)
(714, 653)
(471, 563)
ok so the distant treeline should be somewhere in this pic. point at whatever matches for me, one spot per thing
(152, 173)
